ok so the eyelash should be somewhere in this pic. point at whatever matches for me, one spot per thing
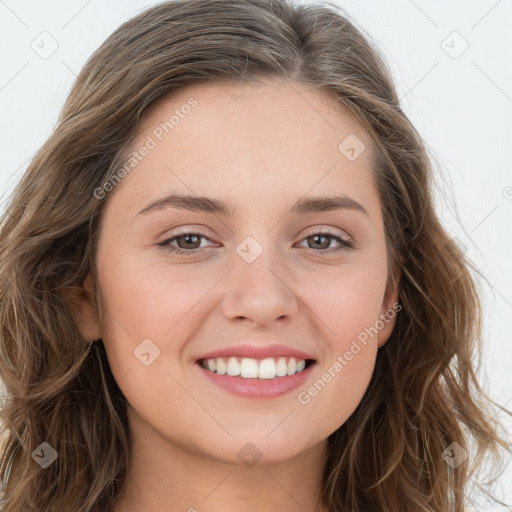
(345, 244)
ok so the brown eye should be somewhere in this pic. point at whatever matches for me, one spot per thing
(190, 241)
(186, 243)
(321, 242)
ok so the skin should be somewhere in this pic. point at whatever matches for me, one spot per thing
(259, 148)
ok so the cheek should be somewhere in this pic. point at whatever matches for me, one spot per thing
(147, 300)
(348, 310)
(145, 297)
(345, 302)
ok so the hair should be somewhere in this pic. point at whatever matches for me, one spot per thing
(424, 393)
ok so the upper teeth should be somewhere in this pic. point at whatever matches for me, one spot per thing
(249, 368)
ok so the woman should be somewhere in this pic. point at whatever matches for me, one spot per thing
(224, 284)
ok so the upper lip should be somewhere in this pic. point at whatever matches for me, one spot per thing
(257, 352)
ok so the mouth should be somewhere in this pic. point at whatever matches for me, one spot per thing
(256, 369)
(260, 379)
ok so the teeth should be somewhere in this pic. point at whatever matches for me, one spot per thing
(221, 366)
(233, 367)
(249, 368)
(281, 368)
(292, 366)
(267, 369)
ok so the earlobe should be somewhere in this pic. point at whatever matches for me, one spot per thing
(82, 305)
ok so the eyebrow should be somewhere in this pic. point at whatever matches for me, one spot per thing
(208, 205)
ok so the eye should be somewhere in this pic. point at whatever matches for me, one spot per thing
(189, 242)
(315, 239)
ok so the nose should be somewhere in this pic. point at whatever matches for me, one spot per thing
(260, 293)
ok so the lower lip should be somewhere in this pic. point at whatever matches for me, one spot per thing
(258, 388)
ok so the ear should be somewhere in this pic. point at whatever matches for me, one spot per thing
(390, 307)
(83, 308)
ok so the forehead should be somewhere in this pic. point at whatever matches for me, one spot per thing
(270, 138)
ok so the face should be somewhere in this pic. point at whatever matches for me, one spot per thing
(260, 274)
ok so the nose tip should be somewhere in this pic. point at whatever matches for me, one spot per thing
(259, 294)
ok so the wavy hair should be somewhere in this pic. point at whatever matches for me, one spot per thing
(424, 395)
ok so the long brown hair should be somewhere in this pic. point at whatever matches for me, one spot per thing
(424, 400)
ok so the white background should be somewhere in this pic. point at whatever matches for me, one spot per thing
(460, 102)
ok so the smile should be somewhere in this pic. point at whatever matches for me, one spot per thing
(249, 368)
(256, 378)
